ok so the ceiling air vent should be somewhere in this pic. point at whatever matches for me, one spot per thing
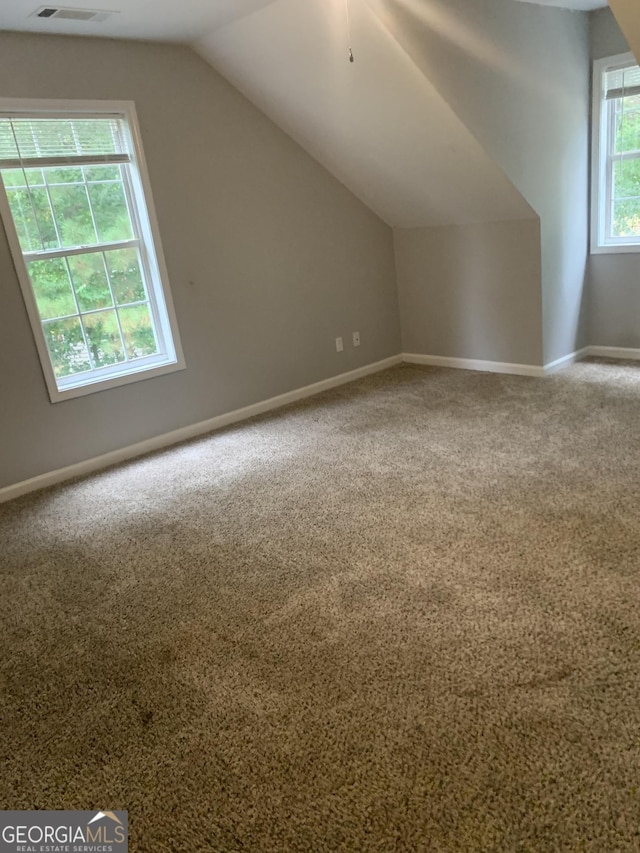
(67, 14)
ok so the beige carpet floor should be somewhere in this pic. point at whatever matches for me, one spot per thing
(401, 616)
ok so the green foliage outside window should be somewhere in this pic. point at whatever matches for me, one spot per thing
(626, 170)
(94, 305)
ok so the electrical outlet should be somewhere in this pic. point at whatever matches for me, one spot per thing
(356, 339)
(339, 345)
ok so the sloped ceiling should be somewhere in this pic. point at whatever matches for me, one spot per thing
(377, 124)
(165, 20)
(627, 13)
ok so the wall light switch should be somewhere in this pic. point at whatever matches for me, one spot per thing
(356, 339)
(339, 345)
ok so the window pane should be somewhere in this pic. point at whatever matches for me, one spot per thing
(110, 212)
(626, 179)
(44, 219)
(34, 177)
(24, 219)
(64, 175)
(13, 178)
(626, 218)
(626, 194)
(73, 215)
(90, 281)
(31, 213)
(102, 173)
(137, 330)
(104, 339)
(627, 131)
(66, 346)
(52, 288)
(125, 275)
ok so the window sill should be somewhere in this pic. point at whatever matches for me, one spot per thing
(617, 249)
(57, 395)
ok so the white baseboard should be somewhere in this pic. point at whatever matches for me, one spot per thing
(521, 369)
(565, 361)
(614, 352)
(192, 431)
(158, 442)
(474, 364)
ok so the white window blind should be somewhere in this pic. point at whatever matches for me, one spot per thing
(622, 82)
(26, 142)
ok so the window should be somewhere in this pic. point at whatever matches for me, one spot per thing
(79, 219)
(615, 189)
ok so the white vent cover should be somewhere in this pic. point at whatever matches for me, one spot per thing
(69, 14)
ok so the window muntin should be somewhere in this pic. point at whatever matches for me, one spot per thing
(87, 261)
(616, 155)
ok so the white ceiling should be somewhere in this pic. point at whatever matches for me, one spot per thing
(377, 124)
(166, 20)
(160, 20)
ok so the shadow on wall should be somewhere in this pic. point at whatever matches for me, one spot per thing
(517, 75)
(471, 291)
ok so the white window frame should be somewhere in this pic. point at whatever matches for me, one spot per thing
(111, 376)
(602, 158)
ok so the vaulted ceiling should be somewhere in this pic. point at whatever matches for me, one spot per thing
(163, 19)
(377, 124)
(627, 13)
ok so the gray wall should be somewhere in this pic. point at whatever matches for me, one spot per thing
(269, 257)
(605, 36)
(518, 76)
(614, 279)
(471, 291)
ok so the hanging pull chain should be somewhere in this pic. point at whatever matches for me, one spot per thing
(346, 9)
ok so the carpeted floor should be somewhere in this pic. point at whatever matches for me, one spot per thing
(402, 616)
